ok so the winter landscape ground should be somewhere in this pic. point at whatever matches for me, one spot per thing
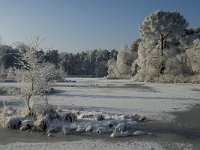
(171, 112)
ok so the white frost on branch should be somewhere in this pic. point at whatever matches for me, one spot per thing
(35, 75)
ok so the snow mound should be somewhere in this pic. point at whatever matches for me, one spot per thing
(13, 122)
(52, 121)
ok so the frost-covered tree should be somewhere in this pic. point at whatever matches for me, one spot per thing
(149, 64)
(161, 55)
(163, 28)
(34, 75)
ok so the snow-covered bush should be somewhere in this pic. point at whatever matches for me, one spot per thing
(27, 124)
(13, 122)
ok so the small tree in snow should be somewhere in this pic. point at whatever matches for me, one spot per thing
(35, 75)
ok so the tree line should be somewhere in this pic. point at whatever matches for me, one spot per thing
(168, 51)
(91, 63)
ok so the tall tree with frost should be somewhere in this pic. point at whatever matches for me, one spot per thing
(34, 75)
(162, 28)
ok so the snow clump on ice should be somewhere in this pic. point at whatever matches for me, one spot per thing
(52, 121)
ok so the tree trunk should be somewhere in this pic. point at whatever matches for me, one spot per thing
(29, 97)
(162, 68)
(162, 44)
(28, 103)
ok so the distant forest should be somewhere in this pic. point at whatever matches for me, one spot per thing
(88, 63)
(168, 51)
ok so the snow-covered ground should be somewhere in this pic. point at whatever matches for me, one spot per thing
(153, 100)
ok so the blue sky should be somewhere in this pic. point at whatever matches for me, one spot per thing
(77, 25)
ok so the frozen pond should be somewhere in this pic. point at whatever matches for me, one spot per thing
(124, 96)
(159, 102)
